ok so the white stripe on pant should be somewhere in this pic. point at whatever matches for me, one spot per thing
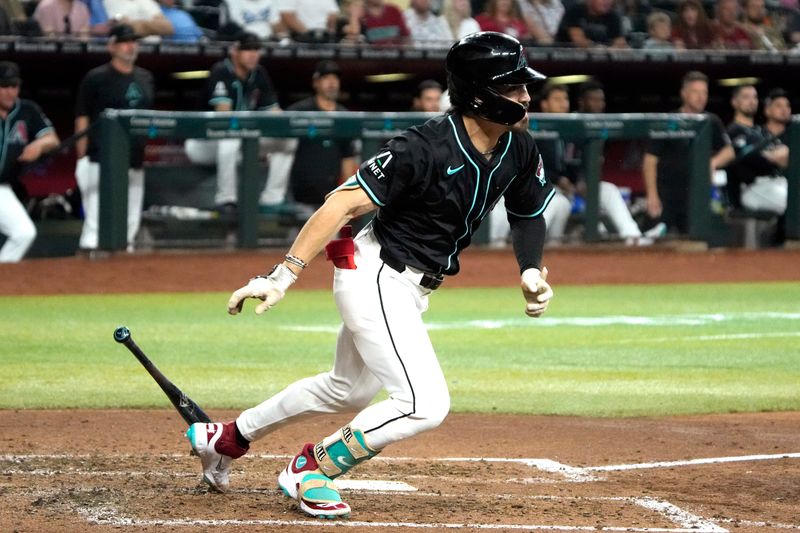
(382, 343)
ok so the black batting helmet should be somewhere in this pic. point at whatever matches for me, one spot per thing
(480, 62)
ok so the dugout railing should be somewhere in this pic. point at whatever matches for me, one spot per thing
(117, 127)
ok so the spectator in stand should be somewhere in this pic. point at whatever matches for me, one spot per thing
(503, 16)
(14, 21)
(383, 23)
(592, 24)
(665, 168)
(426, 27)
(240, 83)
(28, 134)
(730, 33)
(144, 16)
(259, 17)
(756, 21)
(553, 99)
(634, 15)
(692, 30)
(348, 26)
(13, 14)
(458, 14)
(6, 25)
(309, 20)
(99, 23)
(63, 18)
(185, 28)
(793, 30)
(320, 165)
(542, 17)
(428, 97)
(659, 29)
(119, 84)
(756, 178)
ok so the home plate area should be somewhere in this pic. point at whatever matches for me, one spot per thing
(157, 491)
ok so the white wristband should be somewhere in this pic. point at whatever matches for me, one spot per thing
(281, 276)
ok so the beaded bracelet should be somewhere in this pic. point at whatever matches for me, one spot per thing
(296, 261)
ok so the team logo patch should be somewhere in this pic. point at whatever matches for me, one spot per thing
(378, 164)
(18, 134)
(540, 173)
(451, 170)
(134, 95)
(220, 90)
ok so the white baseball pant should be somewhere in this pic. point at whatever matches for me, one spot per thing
(87, 174)
(16, 225)
(767, 193)
(382, 343)
(226, 153)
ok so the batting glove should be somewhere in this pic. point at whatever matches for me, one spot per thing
(269, 289)
(536, 290)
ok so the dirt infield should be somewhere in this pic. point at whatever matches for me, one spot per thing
(131, 471)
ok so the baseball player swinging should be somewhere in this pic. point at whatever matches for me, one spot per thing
(432, 186)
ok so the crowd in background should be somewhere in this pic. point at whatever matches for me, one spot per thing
(667, 25)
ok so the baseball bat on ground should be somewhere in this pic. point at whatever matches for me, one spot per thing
(188, 410)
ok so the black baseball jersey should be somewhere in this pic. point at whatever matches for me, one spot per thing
(674, 170)
(225, 87)
(317, 166)
(434, 188)
(24, 124)
(748, 143)
(674, 163)
(105, 87)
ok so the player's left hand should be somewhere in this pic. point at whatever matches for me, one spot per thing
(31, 152)
(269, 289)
(537, 291)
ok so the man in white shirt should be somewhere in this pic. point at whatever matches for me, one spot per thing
(254, 16)
(427, 28)
(309, 19)
(144, 16)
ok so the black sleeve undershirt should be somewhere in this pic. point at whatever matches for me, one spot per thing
(527, 237)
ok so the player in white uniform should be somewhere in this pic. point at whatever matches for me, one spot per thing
(25, 134)
(432, 186)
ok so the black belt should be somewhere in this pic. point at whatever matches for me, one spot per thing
(429, 281)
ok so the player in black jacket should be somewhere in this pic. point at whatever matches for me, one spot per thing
(432, 186)
(118, 84)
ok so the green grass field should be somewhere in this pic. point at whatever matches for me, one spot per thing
(599, 351)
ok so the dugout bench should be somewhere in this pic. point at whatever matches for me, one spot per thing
(117, 127)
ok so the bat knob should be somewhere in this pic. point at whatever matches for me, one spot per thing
(121, 334)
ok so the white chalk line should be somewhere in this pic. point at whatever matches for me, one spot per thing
(753, 523)
(690, 319)
(570, 473)
(693, 462)
(686, 521)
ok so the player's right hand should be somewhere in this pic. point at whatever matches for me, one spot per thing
(654, 207)
(537, 291)
(269, 289)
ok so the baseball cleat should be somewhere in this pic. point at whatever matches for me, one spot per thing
(215, 445)
(316, 494)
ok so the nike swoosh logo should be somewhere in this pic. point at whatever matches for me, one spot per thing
(342, 459)
(451, 170)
